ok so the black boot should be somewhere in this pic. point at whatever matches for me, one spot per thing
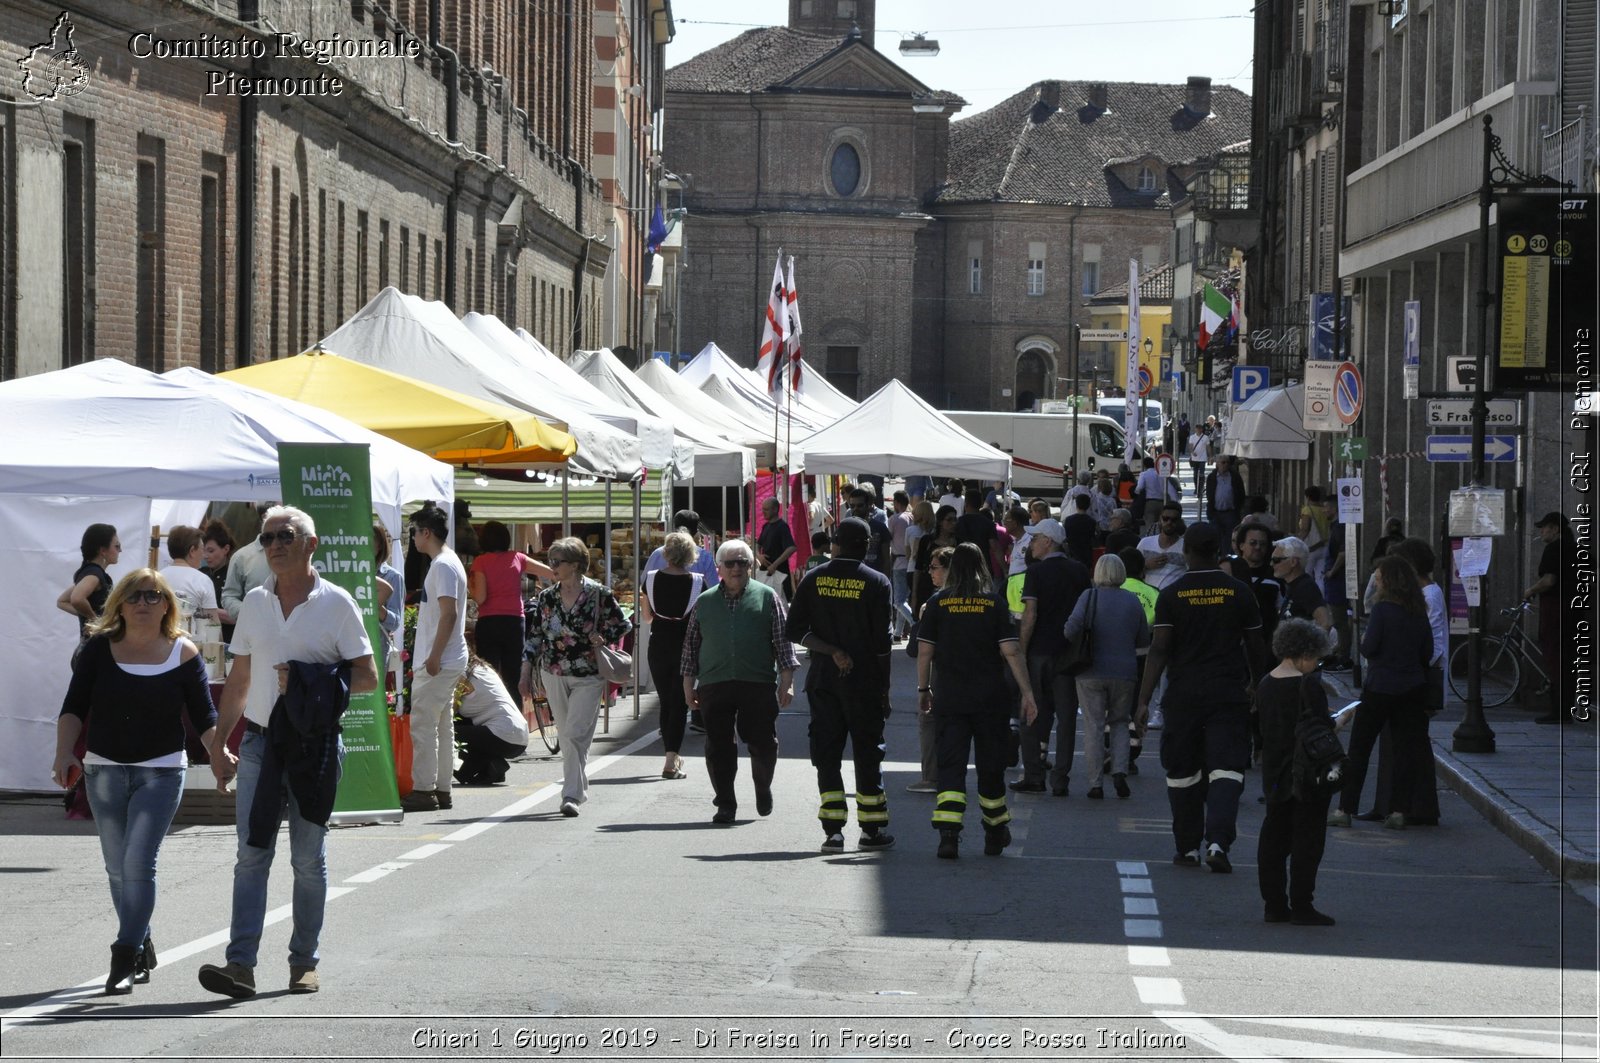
(124, 958)
(949, 843)
(146, 960)
(995, 840)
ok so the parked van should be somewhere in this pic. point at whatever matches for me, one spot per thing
(1040, 444)
(1154, 418)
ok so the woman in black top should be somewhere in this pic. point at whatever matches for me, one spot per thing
(669, 596)
(90, 584)
(942, 535)
(216, 547)
(1398, 644)
(1296, 828)
(136, 677)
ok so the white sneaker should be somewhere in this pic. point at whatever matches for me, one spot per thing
(569, 808)
(1155, 721)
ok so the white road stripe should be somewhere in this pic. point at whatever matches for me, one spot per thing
(1160, 991)
(1141, 928)
(373, 874)
(1148, 956)
(1134, 868)
(1139, 906)
(1421, 1033)
(169, 954)
(1137, 885)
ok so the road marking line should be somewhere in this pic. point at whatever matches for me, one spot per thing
(1141, 928)
(1149, 956)
(1139, 906)
(1136, 869)
(65, 998)
(373, 874)
(1137, 885)
(1160, 991)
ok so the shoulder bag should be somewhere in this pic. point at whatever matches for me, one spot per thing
(614, 665)
(1079, 652)
(1319, 757)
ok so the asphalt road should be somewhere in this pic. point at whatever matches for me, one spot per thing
(625, 931)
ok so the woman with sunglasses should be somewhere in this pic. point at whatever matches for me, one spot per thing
(570, 620)
(942, 534)
(136, 676)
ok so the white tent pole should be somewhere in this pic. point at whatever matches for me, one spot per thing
(566, 502)
(638, 531)
(741, 510)
(607, 547)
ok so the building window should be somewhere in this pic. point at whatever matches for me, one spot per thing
(1147, 181)
(845, 169)
(383, 254)
(805, 8)
(361, 257)
(405, 258)
(975, 268)
(1091, 278)
(847, 8)
(149, 325)
(213, 285)
(274, 329)
(1036, 268)
(77, 202)
(322, 262)
(844, 369)
(438, 269)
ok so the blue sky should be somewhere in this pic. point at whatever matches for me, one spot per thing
(989, 52)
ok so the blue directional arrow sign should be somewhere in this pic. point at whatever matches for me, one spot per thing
(1459, 448)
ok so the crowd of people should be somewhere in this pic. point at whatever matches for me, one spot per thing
(1020, 624)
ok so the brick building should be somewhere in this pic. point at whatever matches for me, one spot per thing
(197, 192)
(952, 255)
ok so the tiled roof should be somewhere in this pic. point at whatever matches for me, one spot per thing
(752, 61)
(1155, 286)
(1022, 151)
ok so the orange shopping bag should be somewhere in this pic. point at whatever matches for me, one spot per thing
(400, 740)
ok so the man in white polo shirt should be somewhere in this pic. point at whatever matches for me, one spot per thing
(295, 615)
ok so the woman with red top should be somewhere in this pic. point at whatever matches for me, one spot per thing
(495, 583)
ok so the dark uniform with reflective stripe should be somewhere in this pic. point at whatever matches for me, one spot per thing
(846, 604)
(966, 633)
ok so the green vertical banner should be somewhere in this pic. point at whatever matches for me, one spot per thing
(333, 483)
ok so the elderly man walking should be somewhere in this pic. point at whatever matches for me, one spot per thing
(738, 670)
(294, 616)
(841, 614)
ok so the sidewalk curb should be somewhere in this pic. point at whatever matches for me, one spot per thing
(1537, 838)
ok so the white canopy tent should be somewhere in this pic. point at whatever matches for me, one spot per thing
(1269, 426)
(719, 462)
(107, 443)
(406, 335)
(743, 425)
(819, 392)
(896, 433)
(738, 388)
(659, 447)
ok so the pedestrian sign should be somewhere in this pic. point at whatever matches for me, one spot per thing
(1352, 448)
(1247, 380)
(1347, 393)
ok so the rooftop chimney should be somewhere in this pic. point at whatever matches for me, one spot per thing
(1198, 98)
(1050, 94)
(1099, 97)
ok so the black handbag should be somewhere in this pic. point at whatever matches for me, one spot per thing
(1319, 756)
(1079, 652)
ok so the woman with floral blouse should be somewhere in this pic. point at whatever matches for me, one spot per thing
(569, 621)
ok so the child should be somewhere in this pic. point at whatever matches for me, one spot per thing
(820, 552)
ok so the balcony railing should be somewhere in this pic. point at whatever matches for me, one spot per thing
(1291, 102)
(1225, 187)
(1328, 57)
(1564, 149)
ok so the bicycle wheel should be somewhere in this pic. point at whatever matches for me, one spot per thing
(547, 729)
(1500, 672)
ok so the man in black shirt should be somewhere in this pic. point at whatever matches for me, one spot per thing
(1253, 565)
(1301, 598)
(1208, 631)
(976, 526)
(841, 614)
(878, 546)
(1050, 589)
(1080, 528)
(774, 547)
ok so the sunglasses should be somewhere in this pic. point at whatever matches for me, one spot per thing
(146, 597)
(283, 537)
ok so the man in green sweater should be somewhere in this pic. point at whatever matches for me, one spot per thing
(738, 670)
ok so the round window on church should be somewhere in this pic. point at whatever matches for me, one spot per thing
(845, 170)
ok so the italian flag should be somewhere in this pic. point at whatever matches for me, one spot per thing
(1216, 315)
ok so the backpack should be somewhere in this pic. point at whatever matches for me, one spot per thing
(1319, 757)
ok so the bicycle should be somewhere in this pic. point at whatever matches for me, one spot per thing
(544, 722)
(1501, 659)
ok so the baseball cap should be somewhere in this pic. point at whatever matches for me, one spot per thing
(1552, 517)
(1201, 538)
(1050, 528)
(852, 532)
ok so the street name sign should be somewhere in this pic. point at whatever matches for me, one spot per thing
(1459, 448)
(1457, 413)
(1102, 335)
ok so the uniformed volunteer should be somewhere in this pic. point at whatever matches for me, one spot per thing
(1208, 630)
(967, 629)
(841, 614)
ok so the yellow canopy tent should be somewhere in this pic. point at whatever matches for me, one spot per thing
(450, 426)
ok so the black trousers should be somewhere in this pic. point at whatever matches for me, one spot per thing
(987, 736)
(1293, 833)
(1408, 726)
(1205, 749)
(499, 641)
(751, 710)
(1199, 469)
(484, 760)
(666, 653)
(843, 712)
(1056, 695)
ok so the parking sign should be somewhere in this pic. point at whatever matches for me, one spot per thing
(1247, 380)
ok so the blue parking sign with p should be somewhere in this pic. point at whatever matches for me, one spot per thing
(1247, 380)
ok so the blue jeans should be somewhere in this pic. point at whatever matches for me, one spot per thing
(133, 807)
(900, 588)
(307, 856)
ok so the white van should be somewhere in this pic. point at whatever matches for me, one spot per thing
(1040, 444)
(1154, 418)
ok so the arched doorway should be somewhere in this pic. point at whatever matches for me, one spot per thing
(1033, 378)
